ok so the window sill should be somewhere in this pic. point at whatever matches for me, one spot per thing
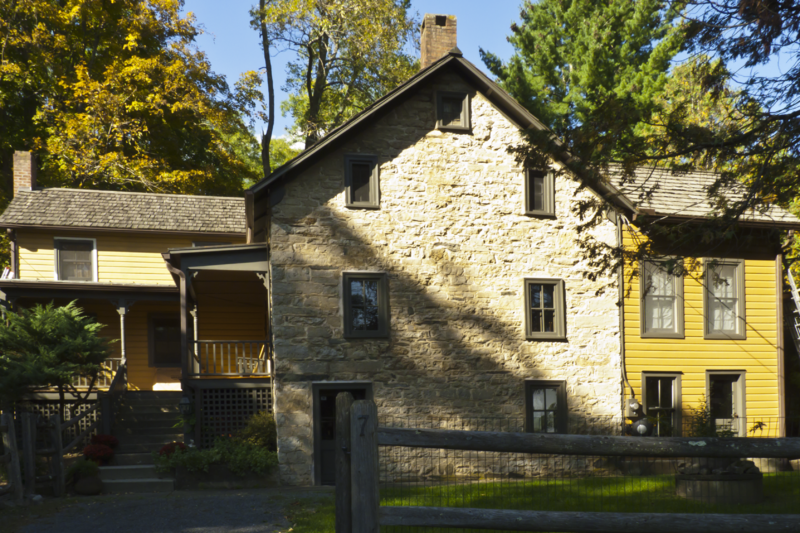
(725, 336)
(455, 129)
(362, 206)
(662, 335)
(540, 214)
(547, 338)
(374, 336)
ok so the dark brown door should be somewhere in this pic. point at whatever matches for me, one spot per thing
(327, 425)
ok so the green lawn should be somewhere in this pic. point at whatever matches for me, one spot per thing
(655, 494)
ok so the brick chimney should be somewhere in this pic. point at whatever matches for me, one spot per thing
(24, 171)
(437, 38)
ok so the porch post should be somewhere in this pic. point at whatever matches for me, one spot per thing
(195, 335)
(122, 309)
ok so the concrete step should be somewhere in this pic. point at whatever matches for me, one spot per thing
(120, 486)
(128, 472)
(142, 447)
(126, 459)
(162, 437)
(144, 428)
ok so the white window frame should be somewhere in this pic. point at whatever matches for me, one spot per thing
(741, 323)
(56, 262)
(741, 399)
(678, 329)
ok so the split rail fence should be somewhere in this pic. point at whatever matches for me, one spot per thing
(358, 499)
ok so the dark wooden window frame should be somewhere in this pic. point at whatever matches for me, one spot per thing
(56, 266)
(466, 125)
(676, 395)
(562, 415)
(678, 332)
(741, 384)
(151, 340)
(559, 303)
(383, 305)
(374, 181)
(316, 387)
(549, 192)
(741, 319)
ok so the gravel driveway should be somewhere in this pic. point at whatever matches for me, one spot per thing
(235, 511)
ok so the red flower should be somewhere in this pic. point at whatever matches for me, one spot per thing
(98, 452)
(169, 449)
(109, 440)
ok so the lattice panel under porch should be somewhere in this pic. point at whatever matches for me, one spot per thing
(224, 411)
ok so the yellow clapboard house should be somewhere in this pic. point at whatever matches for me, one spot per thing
(711, 339)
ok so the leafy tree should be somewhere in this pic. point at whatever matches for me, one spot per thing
(348, 54)
(114, 94)
(48, 346)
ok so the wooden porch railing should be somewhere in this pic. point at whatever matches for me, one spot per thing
(230, 358)
(104, 378)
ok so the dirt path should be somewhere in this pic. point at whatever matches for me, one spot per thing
(235, 511)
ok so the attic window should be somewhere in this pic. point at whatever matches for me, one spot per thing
(452, 111)
(361, 181)
(540, 192)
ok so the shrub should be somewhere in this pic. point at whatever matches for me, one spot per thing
(261, 431)
(170, 448)
(241, 457)
(109, 440)
(83, 468)
(98, 452)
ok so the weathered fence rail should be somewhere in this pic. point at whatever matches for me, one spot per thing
(358, 509)
(11, 457)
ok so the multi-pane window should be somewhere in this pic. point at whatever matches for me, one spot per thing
(661, 402)
(361, 181)
(726, 402)
(165, 340)
(452, 111)
(544, 302)
(662, 301)
(75, 259)
(546, 406)
(725, 299)
(539, 192)
(366, 309)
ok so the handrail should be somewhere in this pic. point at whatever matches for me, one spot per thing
(231, 358)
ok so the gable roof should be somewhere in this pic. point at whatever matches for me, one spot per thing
(661, 192)
(678, 195)
(110, 210)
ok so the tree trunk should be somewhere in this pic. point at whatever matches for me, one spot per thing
(266, 137)
(315, 96)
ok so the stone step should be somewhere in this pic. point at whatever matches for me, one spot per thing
(148, 402)
(147, 410)
(163, 438)
(126, 459)
(153, 395)
(128, 472)
(142, 447)
(120, 486)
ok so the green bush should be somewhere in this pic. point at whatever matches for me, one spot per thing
(261, 431)
(241, 457)
(83, 468)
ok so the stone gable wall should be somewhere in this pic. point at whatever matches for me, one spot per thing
(453, 239)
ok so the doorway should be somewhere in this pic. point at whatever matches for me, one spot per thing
(325, 425)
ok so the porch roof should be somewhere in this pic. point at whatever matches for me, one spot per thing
(243, 257)
(20, 288)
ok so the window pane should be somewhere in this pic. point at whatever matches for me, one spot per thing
(356, 293)
(722, 396)
(538, 399)
(75, 260)
(536, 191)
(551, 422)
(371, 292)
(371, 318)
(358, 319)
(549, 321)
(665, 393)
(536, 296)
(167, 341)
(552, 401)
(360, 185)
(723, 315)
(651, 400)
(723, 282)
(451, 111)
(538, 422)
(536, 321)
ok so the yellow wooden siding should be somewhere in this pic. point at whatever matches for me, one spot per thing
(121, 257)
(694, 355)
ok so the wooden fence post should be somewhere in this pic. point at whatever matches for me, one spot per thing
(364, 467)
(29, 451)
(10, 445)
(57, 462)
(344, 520)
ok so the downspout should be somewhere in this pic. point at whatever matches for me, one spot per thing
(621, 306)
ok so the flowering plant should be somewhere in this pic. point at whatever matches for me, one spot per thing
(98, 452)
(109, 440)
(172, 447)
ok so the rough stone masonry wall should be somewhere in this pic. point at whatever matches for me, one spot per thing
(452, 236)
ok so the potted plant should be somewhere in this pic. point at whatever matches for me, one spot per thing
(99, 453)
(85, 478)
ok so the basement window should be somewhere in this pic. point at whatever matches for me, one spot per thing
(662, 393)
(452, 111)
(545, 406)
(76, 259)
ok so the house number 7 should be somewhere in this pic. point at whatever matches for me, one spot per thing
(364, 423)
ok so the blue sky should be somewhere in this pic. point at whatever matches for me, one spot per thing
(233, 47)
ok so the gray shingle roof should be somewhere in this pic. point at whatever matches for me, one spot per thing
(125, 210)
(686, 194)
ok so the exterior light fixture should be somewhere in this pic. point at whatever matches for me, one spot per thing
(185, 406)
